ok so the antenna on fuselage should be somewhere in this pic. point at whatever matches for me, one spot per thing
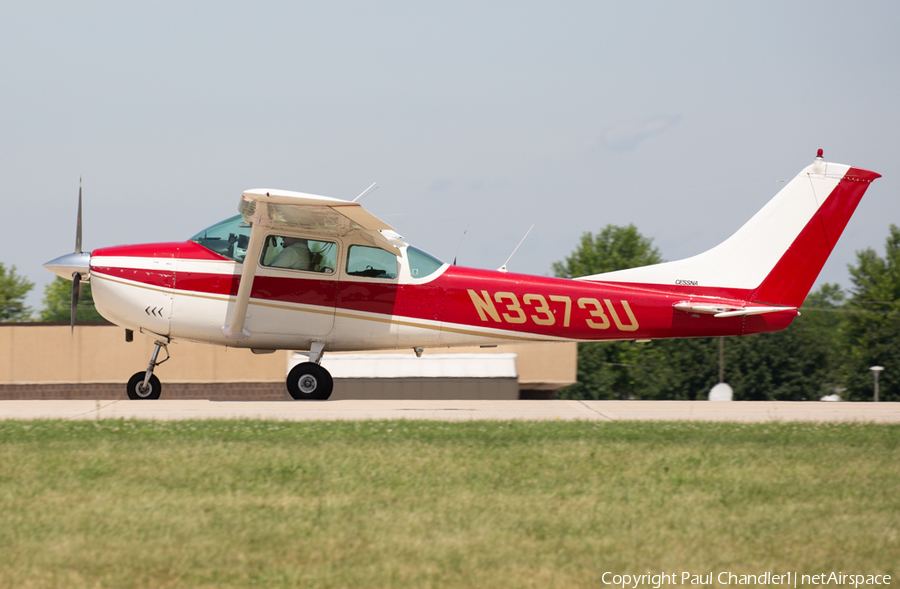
(460, 243)
(503, 267)
(366, 192)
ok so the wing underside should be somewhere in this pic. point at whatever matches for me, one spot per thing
(292, 211)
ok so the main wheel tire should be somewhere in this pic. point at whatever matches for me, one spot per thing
(309, 381)
(154, 388)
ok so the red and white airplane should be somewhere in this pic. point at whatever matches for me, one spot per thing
(304, 272)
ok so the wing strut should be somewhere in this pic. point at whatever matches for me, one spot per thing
(235, 330)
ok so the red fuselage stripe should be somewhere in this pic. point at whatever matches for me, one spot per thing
(528, 305)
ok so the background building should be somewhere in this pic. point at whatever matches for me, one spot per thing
(46, 361)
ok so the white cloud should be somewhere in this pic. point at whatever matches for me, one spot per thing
(626, 136)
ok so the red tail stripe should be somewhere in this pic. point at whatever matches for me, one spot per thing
(793, 276)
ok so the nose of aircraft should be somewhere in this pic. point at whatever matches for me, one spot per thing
(66, 266)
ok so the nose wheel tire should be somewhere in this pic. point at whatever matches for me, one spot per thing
(309, 381)
(137, 392)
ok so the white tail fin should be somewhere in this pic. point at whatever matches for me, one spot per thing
(777, 255)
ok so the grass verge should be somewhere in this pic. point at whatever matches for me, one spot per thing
(436, 504)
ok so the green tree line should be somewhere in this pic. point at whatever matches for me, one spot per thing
(57, 300)
(828, 349)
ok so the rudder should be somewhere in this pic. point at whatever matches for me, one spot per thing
(796, 271)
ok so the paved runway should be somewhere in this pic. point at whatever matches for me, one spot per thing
(742, 411)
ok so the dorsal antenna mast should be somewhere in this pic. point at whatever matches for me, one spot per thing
(466, 230)
(366, 192)
(503, 267)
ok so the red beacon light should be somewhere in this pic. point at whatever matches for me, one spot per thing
(820, 153)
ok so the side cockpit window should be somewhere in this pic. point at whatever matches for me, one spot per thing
(371, 262)
(299, 253)
(228, 238)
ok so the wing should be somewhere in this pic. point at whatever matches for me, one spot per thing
(282, 209)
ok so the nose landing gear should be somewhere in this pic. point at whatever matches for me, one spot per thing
(145, 385)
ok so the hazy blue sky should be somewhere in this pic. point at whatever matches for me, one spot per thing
(677, 117)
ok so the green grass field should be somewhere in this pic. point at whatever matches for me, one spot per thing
(436, 504)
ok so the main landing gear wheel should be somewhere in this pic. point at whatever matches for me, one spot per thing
(309, 381)
(137, 390)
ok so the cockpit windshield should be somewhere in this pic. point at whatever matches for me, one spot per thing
(228, 238)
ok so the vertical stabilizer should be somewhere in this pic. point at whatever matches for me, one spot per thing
(777, 255)
(792, 277)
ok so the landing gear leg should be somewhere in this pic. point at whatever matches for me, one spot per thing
(308, 380)
(145, 385)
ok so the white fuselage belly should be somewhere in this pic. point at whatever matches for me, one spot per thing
(199, 316)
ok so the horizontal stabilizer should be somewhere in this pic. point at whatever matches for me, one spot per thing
(725, 311)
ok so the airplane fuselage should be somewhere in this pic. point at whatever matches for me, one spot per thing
(185, 291)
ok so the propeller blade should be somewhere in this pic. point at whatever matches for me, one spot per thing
(78, 222)
(76, 296)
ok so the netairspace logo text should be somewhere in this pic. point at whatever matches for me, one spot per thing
(791, 579)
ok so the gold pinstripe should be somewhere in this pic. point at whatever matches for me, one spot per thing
(336, 313)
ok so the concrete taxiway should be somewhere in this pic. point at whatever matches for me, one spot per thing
(739, 411)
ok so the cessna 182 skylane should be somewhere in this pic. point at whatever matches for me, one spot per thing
(304, 272)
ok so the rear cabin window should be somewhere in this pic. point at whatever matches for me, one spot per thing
(371, 262)
(420, 263)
